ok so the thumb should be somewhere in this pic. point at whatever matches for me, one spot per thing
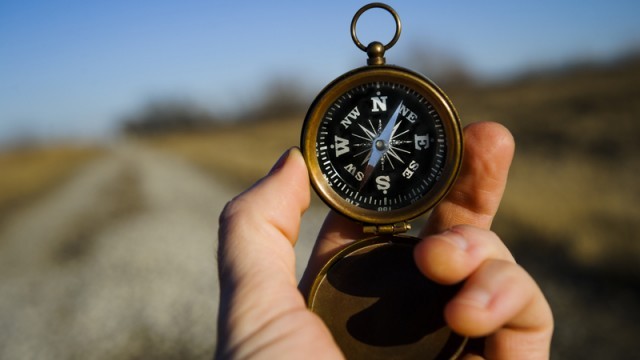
(256, 261)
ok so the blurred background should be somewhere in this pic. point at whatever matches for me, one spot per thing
(126, 126)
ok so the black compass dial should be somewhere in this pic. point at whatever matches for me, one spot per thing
(381, 146)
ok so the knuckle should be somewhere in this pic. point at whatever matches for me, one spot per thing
(232, 210)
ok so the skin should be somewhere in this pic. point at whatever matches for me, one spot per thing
(263, 313)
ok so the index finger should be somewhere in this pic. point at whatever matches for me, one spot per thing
(476, 195)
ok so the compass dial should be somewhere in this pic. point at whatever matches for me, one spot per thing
(382, 145)
(379, 156)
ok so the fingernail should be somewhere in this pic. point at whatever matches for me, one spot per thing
(475, 296)
(280, 163)
(456, 239)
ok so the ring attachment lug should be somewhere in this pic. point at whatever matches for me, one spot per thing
(376, 50)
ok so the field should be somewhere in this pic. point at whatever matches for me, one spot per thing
(28, 172)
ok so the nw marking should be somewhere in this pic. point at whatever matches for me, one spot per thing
(353, 114)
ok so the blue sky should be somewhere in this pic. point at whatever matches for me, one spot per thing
(74, 68)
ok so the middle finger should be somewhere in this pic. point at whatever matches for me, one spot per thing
(451, 256)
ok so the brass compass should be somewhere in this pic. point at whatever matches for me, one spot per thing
(383, 145)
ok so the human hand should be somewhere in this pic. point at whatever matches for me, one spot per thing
(263, 315)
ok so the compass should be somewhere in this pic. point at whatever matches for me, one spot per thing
(383, 145)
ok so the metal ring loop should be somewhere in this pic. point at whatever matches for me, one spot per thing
(396, 18)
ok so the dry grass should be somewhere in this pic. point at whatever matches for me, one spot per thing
(589, 210)
(240, 154)
(29, 172)
(574, 178)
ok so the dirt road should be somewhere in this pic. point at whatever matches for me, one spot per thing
(118, 263)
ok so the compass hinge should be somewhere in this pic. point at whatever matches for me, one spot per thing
(396, 228)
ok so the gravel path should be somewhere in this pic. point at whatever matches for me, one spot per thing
(119, 263)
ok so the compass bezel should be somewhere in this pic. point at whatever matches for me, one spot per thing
(393, 74)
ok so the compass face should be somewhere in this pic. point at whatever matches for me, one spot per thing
(382, 145)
